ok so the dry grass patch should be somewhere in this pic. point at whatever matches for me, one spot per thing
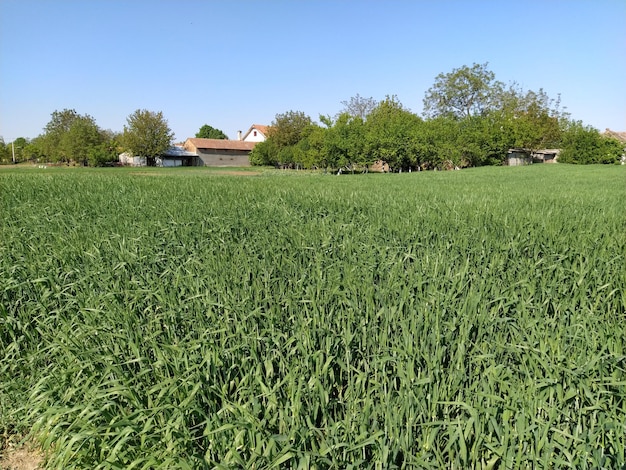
(21, 456)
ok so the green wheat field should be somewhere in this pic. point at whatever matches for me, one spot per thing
(184, 318)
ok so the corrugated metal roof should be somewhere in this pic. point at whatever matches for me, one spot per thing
(178, 152)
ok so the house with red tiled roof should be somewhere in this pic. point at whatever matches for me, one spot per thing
(222, 152)
(256, 133)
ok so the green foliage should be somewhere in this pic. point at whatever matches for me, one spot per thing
(208, 132)
(264, 153)
(147, 134)
(5, 152)
(474, 322)
(473, 120)
(585, 145)
(13, 152)
(393, 134)
(464, 92)
(68, 137)
(289, 128)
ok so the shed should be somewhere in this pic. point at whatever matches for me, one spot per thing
(177, 156)
(518, 157)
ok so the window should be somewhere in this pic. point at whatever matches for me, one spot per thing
(254, 133)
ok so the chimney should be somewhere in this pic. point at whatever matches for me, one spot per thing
(238, 135)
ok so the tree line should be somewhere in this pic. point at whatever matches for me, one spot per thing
(70, 137)
(469, 119)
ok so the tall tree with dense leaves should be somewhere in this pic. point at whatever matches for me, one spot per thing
(392, 134)
(534, 119)
(69, 137)
(464, 92)
(289, 128)
(147, 134)
(585, 145)
(54, 132)
(82, 136)
(208, 132)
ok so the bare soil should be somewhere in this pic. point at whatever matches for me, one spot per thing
(21, 457)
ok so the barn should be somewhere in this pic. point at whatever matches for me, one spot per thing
(220, 152)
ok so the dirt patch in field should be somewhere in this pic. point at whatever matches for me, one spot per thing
(21, 457)
(208, 173)
(235, 173)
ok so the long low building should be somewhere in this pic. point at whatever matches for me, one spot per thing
(219, 152)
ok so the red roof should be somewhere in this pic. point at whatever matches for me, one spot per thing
(259, 127)
(621, 136)
(220, 144)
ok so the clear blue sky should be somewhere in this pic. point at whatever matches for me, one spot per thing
(234, 63)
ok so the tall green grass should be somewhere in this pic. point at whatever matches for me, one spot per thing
(427, 320)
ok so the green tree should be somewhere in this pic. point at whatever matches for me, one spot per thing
(264, 154)
(81, 139)
(585, 145)
(147, 134)
(464, 92)
(344, 142)
(392, 135)
(208, 132)
(313, 146)
(68, 136)
(289, 128)
(107, 152)
(54, 132)
(16, 150)
(533, 118)
(5, 152)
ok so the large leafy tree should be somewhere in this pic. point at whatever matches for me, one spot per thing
(464, 92)
(341, 143)
(81, 138)
(533, 119)
(147, 134)
(286, 142)
(264, 153)
(392, 134)
(208, 132)
(51, 143)
(69, 136)
(289, 128)
(585, 145)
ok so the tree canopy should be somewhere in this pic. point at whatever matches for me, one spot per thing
(147, 134)
(72, 137)
(208, 132)
(464, 92)
(585, 145)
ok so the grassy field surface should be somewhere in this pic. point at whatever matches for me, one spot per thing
(188, 318)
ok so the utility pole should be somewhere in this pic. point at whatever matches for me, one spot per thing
(13, 148)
